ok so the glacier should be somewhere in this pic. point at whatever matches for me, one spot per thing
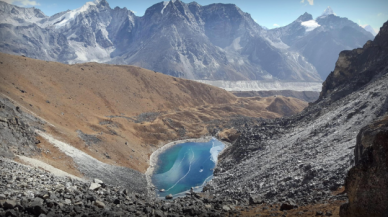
(259, 85)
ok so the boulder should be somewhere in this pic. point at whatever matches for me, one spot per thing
(290, 204)
(37, 202)
(367, 182)
(94, 186)
(67, 201)
(255, 199)
(226, 208)
(159, 213)
(99, 204)
(97, 181)
(9, 204)
(169, 196)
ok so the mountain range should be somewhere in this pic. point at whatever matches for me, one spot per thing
(213, 42)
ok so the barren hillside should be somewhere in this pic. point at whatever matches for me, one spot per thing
(121, 114)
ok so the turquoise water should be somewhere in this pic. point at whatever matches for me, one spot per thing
(186, 165)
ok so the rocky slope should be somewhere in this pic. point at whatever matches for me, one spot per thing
(308, 155)
(366, 183)
(16, 135)
(27, 191)
(322, 39)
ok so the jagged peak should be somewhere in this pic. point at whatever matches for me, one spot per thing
(166, 3)
(194, 3)
(101, 2)
(328, 11)
(304, 17)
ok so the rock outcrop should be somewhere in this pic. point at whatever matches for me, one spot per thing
(367, 182)
(357, 67)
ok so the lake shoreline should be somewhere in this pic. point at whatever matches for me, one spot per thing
(154, 160)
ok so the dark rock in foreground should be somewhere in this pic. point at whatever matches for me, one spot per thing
(367, 181)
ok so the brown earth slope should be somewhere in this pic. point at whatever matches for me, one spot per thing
(121, 114)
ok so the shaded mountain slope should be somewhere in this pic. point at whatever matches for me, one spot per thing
(310, 153)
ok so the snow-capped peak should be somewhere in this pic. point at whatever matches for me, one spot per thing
(328, 11)
(70, 15)
(369, 29)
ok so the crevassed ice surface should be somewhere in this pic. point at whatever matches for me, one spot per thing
(186, 165)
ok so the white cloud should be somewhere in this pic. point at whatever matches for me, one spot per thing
(311, 2)
(133, 11)
(22, 2)
(310, 25)
(380, 14)
(276, 25)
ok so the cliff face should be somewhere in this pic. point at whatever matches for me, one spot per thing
(367, 181)
(357, 67)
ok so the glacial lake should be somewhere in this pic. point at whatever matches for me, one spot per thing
(186, 165)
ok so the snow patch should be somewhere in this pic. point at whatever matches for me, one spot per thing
(215, 151)
(90, 54)
(236, 44)
(40, 164)
(165, 3)
(310, 25)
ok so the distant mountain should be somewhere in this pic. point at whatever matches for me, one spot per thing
(217, 41)
(322, 39)
(369, 29)
(213, 42)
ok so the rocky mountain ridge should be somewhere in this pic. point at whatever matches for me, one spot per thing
(320, 40)
(212, 42)
(311, 152)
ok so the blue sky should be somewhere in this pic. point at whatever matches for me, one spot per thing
(268, 13)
